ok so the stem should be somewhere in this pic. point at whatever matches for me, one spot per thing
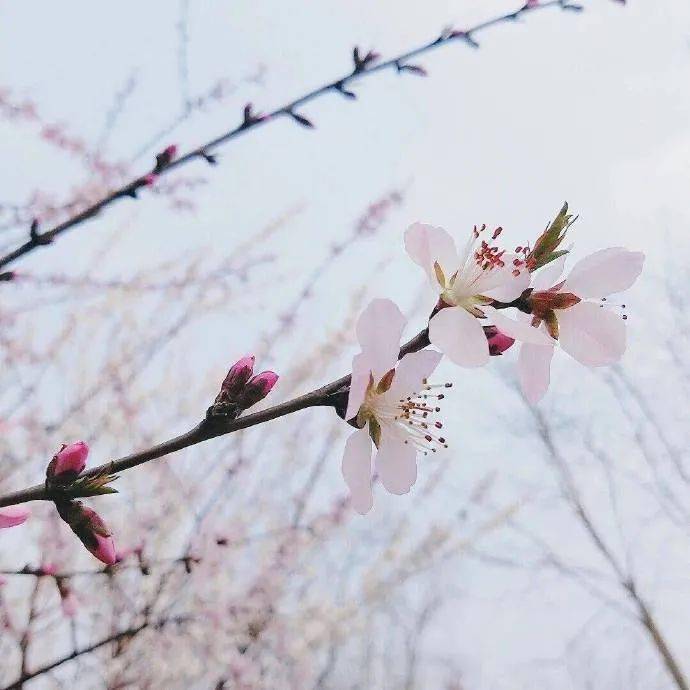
(207, 429)
(123, 635)
(129, 190)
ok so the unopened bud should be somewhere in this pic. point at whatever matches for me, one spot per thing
(92, 531)
(257, 389)
(238, 376)
(498, 342)
(68, 463)
(165, 157)
(47, 569)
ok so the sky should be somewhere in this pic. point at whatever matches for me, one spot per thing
(591, 107)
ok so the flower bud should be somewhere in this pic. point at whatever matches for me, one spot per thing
(170, 151)
(238, 376)
(149, 179)
(498, 342)
(47, 569)
(13, 516)
(165, 157)
(88, 525)
(68, 463)
(257, 388)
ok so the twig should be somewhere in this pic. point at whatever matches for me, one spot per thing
(122, 635)
(330, 395)
(250, 121)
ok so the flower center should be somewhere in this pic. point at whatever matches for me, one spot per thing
(414, 418)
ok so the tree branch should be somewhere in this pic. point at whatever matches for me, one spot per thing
(122, 635)
(251, 122)
(328, 395)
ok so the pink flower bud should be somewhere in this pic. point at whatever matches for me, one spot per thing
(48, 569)
(13, 516)
(92, 531)
(104, 549)
(170, 151)
(498, 342)
(95, 536)
(237, 377)
(69, 462)
(257, 388)
(149, 179)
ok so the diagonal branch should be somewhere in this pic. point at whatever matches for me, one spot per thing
(332, 395)
(362, 68)
(122, 635)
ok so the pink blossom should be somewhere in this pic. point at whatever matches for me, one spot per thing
(13, 516)
(391, 399)
(238, 376)
(466, 281)
(70, 461)
(498, 342)
(48, 569)
(149, 179)
(103, 549)
(257, 388)
(170, 151)
(588, 330)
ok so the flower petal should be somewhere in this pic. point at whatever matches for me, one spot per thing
(361, 370)
(412, 369)
(548, 276)
(502, 284)
(378, 330)
(13, 516)
(396, 463)
(427, 244)
(460, 337)
(356, 469)
(520, 330)
(534, 370)
(607, 271)
(593, 335)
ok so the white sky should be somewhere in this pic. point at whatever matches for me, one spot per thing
(592, 107)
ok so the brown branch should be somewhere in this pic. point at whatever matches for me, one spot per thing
(331, 395)
(122, 635)
(250, 121)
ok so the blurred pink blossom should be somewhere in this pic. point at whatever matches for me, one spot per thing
(13, 516)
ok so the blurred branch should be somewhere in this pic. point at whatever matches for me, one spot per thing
(363, 66)
(625, 577)
(330, 395)
(128, 634)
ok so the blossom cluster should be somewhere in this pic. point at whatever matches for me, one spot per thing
(240, 390)
(391, 401)
(392, 404)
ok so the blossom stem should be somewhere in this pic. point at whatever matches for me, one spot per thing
(326, 396)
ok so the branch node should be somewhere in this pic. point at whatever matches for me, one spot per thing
(37, 238)
(362, 62)
(300, 119)
(340, 87)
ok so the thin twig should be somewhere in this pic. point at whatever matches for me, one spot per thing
(329, 395)
(251, 121)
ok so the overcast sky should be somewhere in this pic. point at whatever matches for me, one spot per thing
(592, 108)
